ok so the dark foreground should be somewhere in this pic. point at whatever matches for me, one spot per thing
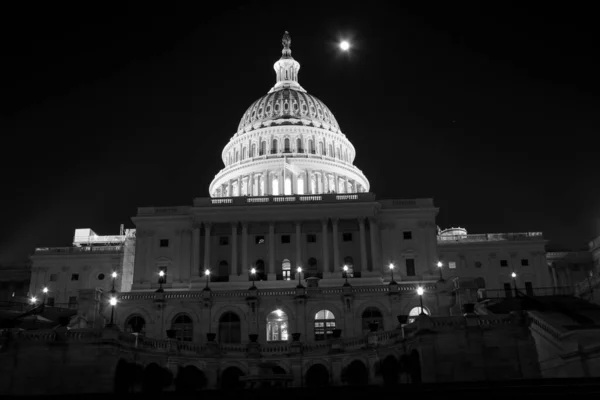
(506, 390)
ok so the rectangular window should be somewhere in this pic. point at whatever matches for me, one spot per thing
(164, 242)
(529, 288)
(410, 267)
(259, 240)
(53, 277)
(72, 301)
(50, 302)
(407, 235)
(347, 237)
(452, 265)
(504, 263)
(311, 238)
(524, 262)
(223, 240)
(162, 279)
(74, 277)
(285, 239)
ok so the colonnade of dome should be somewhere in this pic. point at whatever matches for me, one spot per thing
(288, 143)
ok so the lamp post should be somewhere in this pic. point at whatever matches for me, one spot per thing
(392, 272)
(113, 303)
(440, 265)
(253, 273)
(114, 277)
(45, 290)
(33, 300)
(161, 275)
(420, 292)
(514, 276)
(346, 275)
(207, 274)
(299, 270)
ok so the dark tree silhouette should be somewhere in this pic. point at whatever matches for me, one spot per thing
(390, 371)
(317, 376)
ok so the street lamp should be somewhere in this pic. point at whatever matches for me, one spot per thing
(346, 275)
(420, 292)
(392, 272)
(514, 276)
(440, 265)
(45, 290)
(207, 274)
(33, 300)
(113, 303)
(253, 273)
(299, 270)
(114, 277)
(161, 275)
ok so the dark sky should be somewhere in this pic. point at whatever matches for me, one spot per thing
(493, 112)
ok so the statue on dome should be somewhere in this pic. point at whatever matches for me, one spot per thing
(287, 40)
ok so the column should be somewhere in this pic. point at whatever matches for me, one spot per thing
(363, 244)
(229, 193)
(336, 248)
(325, 182)
(554, 278)
(307, 183)
(245, 265)
(239, 185)
(233, 269)
(271, 266)
(281, 183)
(336, 183)
(325, 241)
(250, 185)
(196, 251)
(265, 176)
(375, 248)
(207, 226)
(347, 184)
(298, 244)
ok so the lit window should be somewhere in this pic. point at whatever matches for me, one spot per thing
(286, 267)
(277, 326)
(415, 312)
(135, 323)
(324, 325)
(452, 265)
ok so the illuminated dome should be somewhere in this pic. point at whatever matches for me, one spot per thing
(288, 143)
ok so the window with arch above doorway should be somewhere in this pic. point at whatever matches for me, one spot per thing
(230, 328)
(299, 148)
(286, 269)
(349, 262)
(261, 274)
(277, 326)
(135, 324)
(372, 315)
(286, 145)
(184, 327)
(274, 146)
(415, 312)
(324, 325)
(223, 268)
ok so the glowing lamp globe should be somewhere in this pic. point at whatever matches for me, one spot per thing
(207, 272)
(114, 275)
(420, 291)
(513, 275)
(439, 264)
(391, 266)
(344, 45)
(45, 290)
(113, 301)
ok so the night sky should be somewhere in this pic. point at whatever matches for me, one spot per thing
(492, 112)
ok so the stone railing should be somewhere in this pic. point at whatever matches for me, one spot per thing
(78, 250)
(286, 199)
(402, 287)
(489, 237)
(538, 321)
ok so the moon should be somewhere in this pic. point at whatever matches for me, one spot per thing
(344, 45)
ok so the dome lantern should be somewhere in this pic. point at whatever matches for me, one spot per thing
(286, 68)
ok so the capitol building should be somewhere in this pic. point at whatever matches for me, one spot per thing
(292, 272)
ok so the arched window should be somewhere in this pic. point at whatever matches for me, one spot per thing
(253, 150)
(275, 186)
(416, 311)
(330, 150)
(372, 315)
(223, 268)
(349, 262)
(237, 156)
(299, 148)
(263, 148)
(244, 153)
(324, 324)
(300, 184)
(183, 327)
(286, 145)
(286, 269)
(311, 146)
(287, 188)
(277, 326)
(230, 330)
(260, 270)
(135, 324)
(337, 153)
(274, 146)
(480, 282)
(321, 148)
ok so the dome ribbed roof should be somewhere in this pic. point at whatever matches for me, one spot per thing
(288, 107)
